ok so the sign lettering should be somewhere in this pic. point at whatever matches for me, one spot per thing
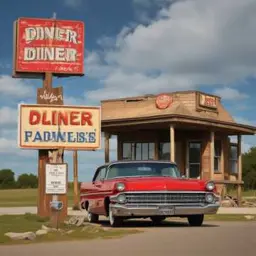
(48, 45)
(52, 126)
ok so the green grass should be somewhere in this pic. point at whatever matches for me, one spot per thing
(24, 197)
(228, 217)
(30, 222)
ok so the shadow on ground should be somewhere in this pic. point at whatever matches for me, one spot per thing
(148, 224)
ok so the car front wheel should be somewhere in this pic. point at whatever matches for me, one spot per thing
(92, 218)
(196, 220)
(114, 220)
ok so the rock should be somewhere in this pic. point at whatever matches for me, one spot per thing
(21, 236)
(76, 220)
(70, 232)
(249, 217)
(41, 232)
(48, 229)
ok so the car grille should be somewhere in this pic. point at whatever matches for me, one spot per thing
(165, 198)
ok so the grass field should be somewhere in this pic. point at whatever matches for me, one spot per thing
(28, 197)
(24, 197)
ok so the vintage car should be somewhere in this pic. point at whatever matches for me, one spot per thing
(146, 189)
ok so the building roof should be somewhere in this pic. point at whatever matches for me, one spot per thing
(185, 107)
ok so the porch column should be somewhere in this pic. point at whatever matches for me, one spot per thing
(106, 137)
(212, 155)
(239, 167)
(156, 156)
(172, 143)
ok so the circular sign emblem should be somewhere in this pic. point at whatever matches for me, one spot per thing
(163, 101)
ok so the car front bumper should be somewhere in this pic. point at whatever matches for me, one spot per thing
(123, 210)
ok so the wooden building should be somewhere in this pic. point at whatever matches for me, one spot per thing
(189, 127)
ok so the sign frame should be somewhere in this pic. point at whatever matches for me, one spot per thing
(51, 147)
(65, 181)
(35, 74)
(201, 107)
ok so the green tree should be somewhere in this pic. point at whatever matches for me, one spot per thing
(27, 181)
(249, 169)
(7, 179)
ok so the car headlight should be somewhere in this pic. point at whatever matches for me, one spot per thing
(121, 199)
(210, 186)
(120, 186)
(209, 198)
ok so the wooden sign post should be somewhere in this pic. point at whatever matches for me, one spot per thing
(49, 95)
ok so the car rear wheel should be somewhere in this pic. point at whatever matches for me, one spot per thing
(92, 218)
(114, 221)
(196, 220)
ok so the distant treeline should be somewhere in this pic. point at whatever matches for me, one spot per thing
(8, 181)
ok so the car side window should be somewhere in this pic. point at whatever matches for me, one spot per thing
(101, 174)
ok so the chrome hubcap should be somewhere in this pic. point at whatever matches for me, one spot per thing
(111, 217)
(89, 216)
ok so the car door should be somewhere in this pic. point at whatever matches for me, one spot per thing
(99, 191)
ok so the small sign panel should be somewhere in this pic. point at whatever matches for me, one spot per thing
(163, 101)
(207, 101)
(57, 126)
(49, 45)
(56, 179)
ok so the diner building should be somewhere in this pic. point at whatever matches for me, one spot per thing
(190, 128)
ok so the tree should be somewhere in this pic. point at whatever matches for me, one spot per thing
(27, 181)
(249, 169)
(7, 179)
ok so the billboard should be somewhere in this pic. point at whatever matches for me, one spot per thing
(48, 45)
(57, 126)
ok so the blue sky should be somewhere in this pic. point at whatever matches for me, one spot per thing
(148, 46)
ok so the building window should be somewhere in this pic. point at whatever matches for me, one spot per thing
(233, 158)
(138, 151)
(217, 155)
(164, 151)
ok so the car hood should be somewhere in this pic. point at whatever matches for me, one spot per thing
(162, 184)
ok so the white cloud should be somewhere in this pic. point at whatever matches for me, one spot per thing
(8, 116)
(190, 43)
(14, 87)
(228, 93)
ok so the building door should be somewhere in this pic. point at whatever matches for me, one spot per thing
(194, 159)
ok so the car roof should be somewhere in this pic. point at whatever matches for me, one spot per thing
(136, 161)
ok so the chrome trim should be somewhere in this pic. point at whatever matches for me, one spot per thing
(179, 210)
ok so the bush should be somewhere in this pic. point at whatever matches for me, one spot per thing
(7, 179)
(249, 169)
(27, 181)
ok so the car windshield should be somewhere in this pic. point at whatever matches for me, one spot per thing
(143, 170)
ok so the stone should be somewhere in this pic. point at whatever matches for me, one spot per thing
(70, 232)
(249, 217)
(21, 236)
(76, 220)
(41, 232)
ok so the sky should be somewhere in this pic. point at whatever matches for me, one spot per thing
(148, 46)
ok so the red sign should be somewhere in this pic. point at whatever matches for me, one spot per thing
(49, 45)
(163, 101)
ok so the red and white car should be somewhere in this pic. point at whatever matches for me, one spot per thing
(146, 189)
